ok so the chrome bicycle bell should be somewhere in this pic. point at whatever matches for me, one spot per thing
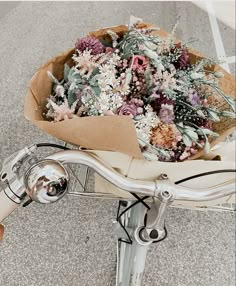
(46, 181)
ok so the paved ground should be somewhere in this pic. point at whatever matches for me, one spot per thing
(71, 243)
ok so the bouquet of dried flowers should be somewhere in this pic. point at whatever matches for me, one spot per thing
(151, 80)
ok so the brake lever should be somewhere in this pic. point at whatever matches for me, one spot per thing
(9, 175)
(12, 164)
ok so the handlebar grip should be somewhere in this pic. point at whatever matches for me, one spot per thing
(7, 206)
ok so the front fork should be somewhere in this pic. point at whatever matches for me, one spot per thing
(131, 257)
(145, 227)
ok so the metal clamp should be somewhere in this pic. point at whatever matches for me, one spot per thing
(9, 174)
(154, 226)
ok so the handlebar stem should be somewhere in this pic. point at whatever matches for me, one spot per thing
(154, 228)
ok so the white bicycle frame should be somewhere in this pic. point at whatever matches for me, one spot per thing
(131, 257)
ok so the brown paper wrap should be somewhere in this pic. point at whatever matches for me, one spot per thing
(109, 133)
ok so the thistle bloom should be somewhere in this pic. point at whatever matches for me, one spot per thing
(89, 43)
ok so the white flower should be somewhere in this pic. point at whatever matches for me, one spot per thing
(107, 80)
(105, 69)
(117, 100)
(115, 59)
(60, 90)
(124, 89)
(104, 100)
(144, 124)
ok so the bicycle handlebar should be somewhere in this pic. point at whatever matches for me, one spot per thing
(141, 187)
(15, 192)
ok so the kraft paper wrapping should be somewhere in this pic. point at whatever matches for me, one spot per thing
(109, 133)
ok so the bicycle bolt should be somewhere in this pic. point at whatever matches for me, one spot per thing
(165, 194)
(153, 234)
(164, 176)
(4, 176)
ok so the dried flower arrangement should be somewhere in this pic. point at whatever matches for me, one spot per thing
(149, 79)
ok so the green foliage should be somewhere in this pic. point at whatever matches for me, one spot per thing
(66, 72)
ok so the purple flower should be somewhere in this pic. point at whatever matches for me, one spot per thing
(159, 99)
(156, 92)
(129, 109)
(183, 60)
(166, 113)
(193, 97)
(89, 43)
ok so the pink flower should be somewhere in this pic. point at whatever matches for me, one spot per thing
(137, 101)
(109, 50)
(140, 63)
(63, 111)
(183, 60)
(128, 109)
(139, 110)
(184, 155)
(204, 102)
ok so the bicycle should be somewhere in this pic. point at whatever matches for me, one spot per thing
(140, 224)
